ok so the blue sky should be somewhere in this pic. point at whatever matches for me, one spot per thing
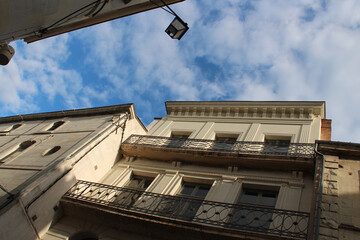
(235, 50)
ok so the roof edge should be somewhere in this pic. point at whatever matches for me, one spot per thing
(122, 108)
(341, 149)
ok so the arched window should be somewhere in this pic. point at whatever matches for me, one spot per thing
(26, 144)
(51, 151)
(84, 236)
(11, 128)
(15, 126)
(56, 125)
(15, 152)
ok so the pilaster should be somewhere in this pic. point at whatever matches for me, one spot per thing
(329, 218)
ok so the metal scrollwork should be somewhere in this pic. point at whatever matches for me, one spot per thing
(228, 216)
(257, 148)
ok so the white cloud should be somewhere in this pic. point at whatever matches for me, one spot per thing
(37, 76)
(255, 50)
(306, 60)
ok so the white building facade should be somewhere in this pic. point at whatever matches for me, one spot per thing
(207, 170)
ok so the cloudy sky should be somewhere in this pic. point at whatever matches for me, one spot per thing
(235, 50)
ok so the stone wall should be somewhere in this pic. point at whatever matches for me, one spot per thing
(349, 199)
(329, 219)
(340, 216)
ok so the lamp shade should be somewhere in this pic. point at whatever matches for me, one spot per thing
(177, 28)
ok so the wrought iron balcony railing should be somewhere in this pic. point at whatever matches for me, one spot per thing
(257, 148)
(234, 217)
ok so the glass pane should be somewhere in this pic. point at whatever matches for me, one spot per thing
(140, 182)
(180, 136)
(268, 199)
(134, 182)
(146, 183)
(188, 189)
(226, 139)
(249, 197)
(202, 191)
(280, 146)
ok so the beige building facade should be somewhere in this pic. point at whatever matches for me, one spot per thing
(42, 156)
(206, 170)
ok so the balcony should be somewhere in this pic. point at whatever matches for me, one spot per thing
(294, 156)
(220, 217)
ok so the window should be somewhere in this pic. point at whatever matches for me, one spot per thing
(226, 137)
(255, 217)
(195, 193)
(258, 197)
(140, 182)
(134, 188)
(224, 142)
(17, 151)
(180, 135)
(56, 125)
(84, 236)
(51, 151)
(195, 190)
(278, 144)
(15, 126)
(178, 139)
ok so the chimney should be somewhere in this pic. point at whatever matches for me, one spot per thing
(325, 130)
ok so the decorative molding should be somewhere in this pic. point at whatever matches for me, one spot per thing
(252, 110)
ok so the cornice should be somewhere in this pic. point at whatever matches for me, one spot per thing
(247, 110)
(342, 149)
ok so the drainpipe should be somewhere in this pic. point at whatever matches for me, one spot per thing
(318, 210)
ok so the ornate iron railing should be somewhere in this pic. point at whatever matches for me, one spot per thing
(257, 148)
(235, 217)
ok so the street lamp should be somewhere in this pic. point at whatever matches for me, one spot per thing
(177, 27)
(6, 53)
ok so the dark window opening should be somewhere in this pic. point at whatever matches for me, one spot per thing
(52, 150)
(224, 142)
(84, 236)
(56, 125)
(259, 218)
(140, 182)
(22, 146)
(180, 135)
(195, 190)
(178, 139)
(277, 144)
(226, 139)
(136, 186)
(188, 202)
(15, 126)
(258, 197)
(188, 207)
(26, 144)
